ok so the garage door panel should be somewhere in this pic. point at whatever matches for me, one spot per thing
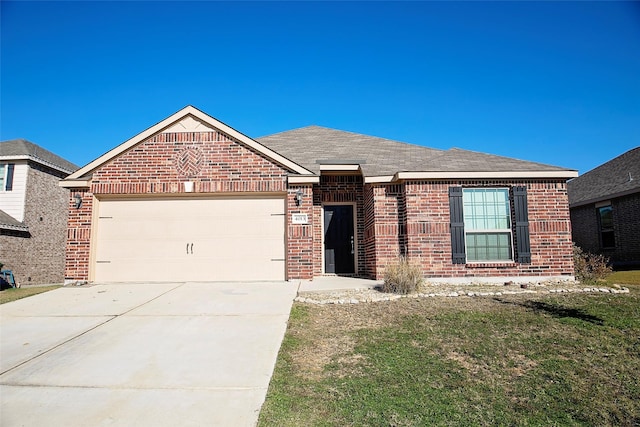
(194, 240)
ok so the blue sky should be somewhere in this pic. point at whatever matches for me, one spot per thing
(552, 82)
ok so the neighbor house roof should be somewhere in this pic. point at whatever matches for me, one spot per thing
(8, 222)
(615, 178)
(315, 147)
(21, 149)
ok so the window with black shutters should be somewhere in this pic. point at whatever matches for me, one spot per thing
(483, 225)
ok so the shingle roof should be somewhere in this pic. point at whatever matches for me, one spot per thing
(8, 222)
(310, 146)
(614, 178)
(22, 147)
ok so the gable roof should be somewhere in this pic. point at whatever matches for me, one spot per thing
(315, 146)
(615, 178)
(80, 178)
(21, 149)
(7, 222)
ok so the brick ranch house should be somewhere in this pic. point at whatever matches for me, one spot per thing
(192, 199)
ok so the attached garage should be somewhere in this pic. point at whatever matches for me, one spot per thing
(190, 239)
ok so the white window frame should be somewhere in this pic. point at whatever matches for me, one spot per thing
(3, 176)
(468, 230)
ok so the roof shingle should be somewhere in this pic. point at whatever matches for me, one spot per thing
(22, 147)
(614, 178)
(312, 145)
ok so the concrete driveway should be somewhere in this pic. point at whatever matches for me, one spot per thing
(147, 354)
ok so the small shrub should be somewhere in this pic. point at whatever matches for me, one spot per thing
(590, 267)
(402, 277)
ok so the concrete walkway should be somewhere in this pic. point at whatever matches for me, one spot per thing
(171, 354)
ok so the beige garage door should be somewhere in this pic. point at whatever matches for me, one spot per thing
(219, 239)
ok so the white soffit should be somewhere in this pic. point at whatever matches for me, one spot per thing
(339, 167)
(488, 174)
(181, 122)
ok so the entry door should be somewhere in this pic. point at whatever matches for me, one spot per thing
(339, 242)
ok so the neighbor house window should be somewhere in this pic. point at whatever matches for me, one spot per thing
(6, 176)
(487, 224)
(605, 224)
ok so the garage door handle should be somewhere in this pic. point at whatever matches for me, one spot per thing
(189, 246)
(192, 249)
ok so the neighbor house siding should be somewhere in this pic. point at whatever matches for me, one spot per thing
(37, 256)
(13, 202)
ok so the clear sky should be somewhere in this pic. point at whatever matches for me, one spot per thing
(551, 82)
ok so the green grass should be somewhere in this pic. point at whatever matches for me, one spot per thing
(542, 360)
(13, 294)
(631, 277)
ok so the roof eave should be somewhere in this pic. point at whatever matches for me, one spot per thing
(74, 183)
(553, 174)
(303, 179)
(36, 160)
(403, 176)
(188, 110)
(603, 198)
(14, 227)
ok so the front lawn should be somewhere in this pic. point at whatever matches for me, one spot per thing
(520, 360)
(631, 277)
(12, 294)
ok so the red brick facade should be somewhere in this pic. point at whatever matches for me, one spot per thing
(408, 218)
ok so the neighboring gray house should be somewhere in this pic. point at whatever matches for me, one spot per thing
(33, 212)
(605, 209)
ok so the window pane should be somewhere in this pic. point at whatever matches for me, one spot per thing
(608, 239)
(2, 172)
(606, 217)
(486, 209)
(488, 246)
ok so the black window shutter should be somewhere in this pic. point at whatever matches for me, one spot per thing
(457, 225)
(9, 184)
(523, 249)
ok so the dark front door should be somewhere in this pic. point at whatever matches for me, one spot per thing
(339, 244)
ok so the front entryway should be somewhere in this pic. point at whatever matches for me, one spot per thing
(339, 240)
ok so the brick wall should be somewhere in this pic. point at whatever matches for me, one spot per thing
(37, 257)
(385, 232)
(626, 220)
(213, 161)
(336, 190)
(425, 225)
(626, 217)
(300, 237)
(78, 236)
